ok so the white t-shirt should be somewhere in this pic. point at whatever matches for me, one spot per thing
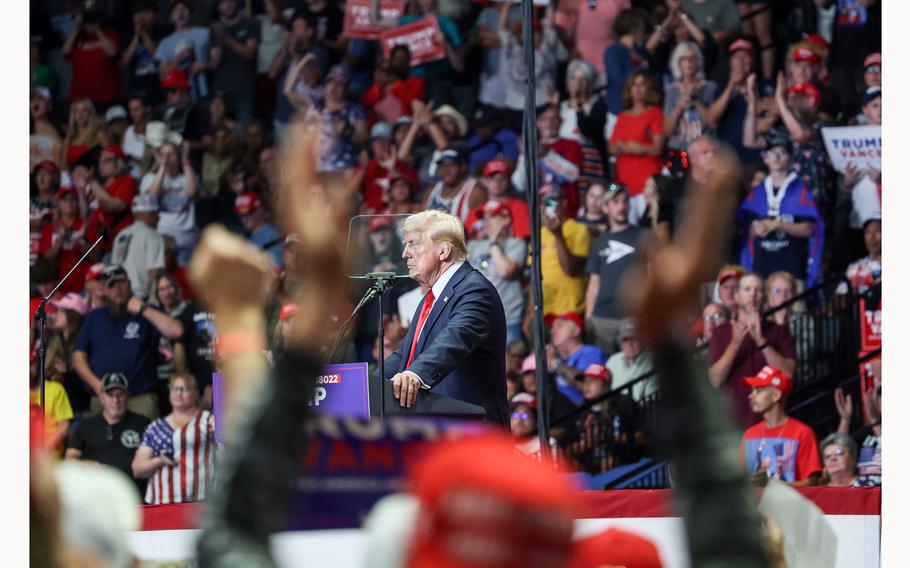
(134, 148)
(271, 38)
(138, 248)
(177, 216)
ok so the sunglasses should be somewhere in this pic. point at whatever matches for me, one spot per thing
(522, 415)
(834, 453)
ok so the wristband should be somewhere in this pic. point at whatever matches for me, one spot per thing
(239, 342)
(763, 345)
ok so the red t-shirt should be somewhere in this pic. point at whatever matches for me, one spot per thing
(70, 252)
(634, 171)
(789, 452)
(123, 188)
(405, 91)
(95, 73)
(521, 217)
(747, 362)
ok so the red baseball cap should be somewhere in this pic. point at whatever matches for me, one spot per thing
(247, 203)
(730, 271)
(66, 189)
(524, 398)
(288, 310)
(497, 166)
(805, 54)
(808, 90)
(599, 372)
(94, 271)
(114, 150)
(48, 165)
(615, 547)
(770, 377)
(481, 502)
(493, 208)
(571, 316)
(741, 44)
(378, 223)
(176, 79)
(873, 59)
(409, 176)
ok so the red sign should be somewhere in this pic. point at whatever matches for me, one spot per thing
(357, 17)
(420, 37)
(870, 328)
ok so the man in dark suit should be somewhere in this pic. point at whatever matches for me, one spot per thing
(456, 342)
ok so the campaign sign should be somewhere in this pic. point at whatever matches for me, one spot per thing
(419, 36)
(857, 145)
(350, 464)
(357, 17)
(870, 328)
(343, 390)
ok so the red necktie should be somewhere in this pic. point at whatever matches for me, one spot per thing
(424, 314)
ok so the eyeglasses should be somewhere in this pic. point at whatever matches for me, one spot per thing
(775, 154)
(714, 316)
(522, 415)
(781, 290)
(874, 69)
(834, 453)
(180, 389)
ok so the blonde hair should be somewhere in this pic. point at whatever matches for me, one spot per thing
(440, 227)
(89, 136)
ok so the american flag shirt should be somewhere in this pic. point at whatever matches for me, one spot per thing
(192, 448)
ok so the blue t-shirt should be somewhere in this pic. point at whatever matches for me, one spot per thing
(584, 356)
(197, 38)
(439, 68)
(503, 143)
(127, 345)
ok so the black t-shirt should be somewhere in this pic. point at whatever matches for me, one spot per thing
(610, 256)
(110, 444)
(782, 251)
(234, 72)
(198, 334)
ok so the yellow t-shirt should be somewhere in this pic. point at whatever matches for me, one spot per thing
(56, 406)
(562, 293)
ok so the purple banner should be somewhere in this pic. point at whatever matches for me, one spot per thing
(342, 390)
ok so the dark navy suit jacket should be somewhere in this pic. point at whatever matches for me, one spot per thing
(461, 352)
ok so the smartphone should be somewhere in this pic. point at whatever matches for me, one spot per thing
(550, 207)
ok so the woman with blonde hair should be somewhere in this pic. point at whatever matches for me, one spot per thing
(177, 452)
(83, 131)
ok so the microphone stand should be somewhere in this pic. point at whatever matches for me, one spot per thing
(382, 282)
(41, 316)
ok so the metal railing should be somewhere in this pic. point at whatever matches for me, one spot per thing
(617, 429)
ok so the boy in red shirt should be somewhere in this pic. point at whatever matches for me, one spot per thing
(780, 446)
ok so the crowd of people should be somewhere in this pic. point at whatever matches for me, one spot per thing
(151, 120)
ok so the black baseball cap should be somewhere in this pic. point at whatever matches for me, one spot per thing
(451, 155)
(114, 380)
(113, 273)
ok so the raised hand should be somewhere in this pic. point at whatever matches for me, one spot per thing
(665, 283)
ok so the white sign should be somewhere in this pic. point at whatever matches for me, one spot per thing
(857, 145)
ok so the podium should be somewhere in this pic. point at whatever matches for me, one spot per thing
(428, 403)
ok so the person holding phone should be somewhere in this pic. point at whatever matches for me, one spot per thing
(177, 452)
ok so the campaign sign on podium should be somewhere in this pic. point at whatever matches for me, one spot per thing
(341, 390)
